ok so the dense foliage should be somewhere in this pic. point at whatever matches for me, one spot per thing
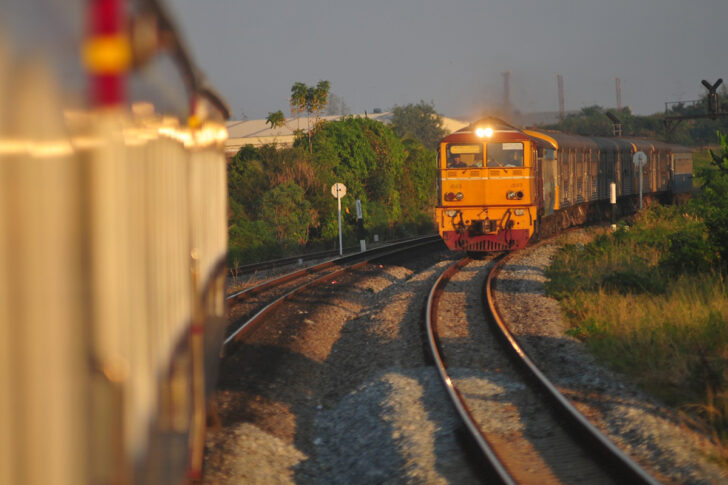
(420, 122)
(712, 201)
(280, 199)
(593, 121)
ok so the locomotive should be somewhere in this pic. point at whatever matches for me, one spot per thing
(113, 238)
(498, 187)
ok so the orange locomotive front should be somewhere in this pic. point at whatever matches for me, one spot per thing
(487, 188)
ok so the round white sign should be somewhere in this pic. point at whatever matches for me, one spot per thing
(338, 190)
(639, 159)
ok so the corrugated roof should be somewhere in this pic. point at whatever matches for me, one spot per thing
(258, 132)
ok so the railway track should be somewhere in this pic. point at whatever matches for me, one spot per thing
(566, 449)
(253, 268)
(254, 303)
(335, 385)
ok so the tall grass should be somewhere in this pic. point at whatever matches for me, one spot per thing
(647, 302)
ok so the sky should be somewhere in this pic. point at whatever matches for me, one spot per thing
(378, 54)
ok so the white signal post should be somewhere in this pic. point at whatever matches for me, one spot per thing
(640, 159)
(613, 201)
(338, 190)
(360, 226)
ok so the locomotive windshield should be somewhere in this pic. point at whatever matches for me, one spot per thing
(504, 154)
(461, 155)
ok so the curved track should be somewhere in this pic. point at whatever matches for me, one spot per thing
(300, 280)
(577, 451)
(298, 259)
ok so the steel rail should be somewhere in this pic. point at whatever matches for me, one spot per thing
(493, 464)
(332, 253)
(360, 259)
(410, 243)
(615, 461)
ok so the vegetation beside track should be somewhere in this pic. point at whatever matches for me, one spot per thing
(651, 299)
(280, 197)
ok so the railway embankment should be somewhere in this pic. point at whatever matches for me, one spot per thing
(649, 300)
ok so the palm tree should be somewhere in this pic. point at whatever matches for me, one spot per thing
(276, 119)
(299, 92)
(311, 100)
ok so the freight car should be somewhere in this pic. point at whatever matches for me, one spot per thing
(113, 236)
(499, 186)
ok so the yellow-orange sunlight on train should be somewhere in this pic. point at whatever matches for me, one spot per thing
(34, 148)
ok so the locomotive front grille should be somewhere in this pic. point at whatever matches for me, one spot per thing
(486, 245)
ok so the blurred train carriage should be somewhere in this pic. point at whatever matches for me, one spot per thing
(499, 187)
(112, 245)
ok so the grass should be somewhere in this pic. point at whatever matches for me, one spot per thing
(645, 312)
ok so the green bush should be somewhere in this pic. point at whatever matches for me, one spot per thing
(688, 251)
(711, 203)
(288, 213)
(252, 241)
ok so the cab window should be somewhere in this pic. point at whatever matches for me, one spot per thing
(504, 154)
(464, 155)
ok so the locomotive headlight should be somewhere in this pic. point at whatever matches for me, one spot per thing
(459, 196)
(451, 213)
(484, 132)
(519, 212)
(510, 195)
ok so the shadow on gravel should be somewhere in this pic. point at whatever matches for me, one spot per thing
(520, 285)
(581, 379)
(500, 402)
(370, 411)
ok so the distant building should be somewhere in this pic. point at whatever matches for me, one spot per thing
(258, 132)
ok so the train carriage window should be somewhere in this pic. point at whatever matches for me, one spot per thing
(504, 154)
(461, 155)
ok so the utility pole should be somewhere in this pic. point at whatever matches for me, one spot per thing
(560, 83)
(507, 92)
(619, 93)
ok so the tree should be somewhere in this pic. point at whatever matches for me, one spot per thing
(319, 98)
(419, 121)
(368, 158)
(276, 119)
(287, 211)
(311, 100)
(247, 181)
(712, 201)
(418, 183)
(280, 196)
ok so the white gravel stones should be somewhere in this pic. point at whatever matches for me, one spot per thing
(232, 450)
(375, 412)
(396, 428)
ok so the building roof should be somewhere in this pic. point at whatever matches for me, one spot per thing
(258, 132)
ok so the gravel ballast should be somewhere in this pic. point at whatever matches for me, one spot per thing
(338, 389)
